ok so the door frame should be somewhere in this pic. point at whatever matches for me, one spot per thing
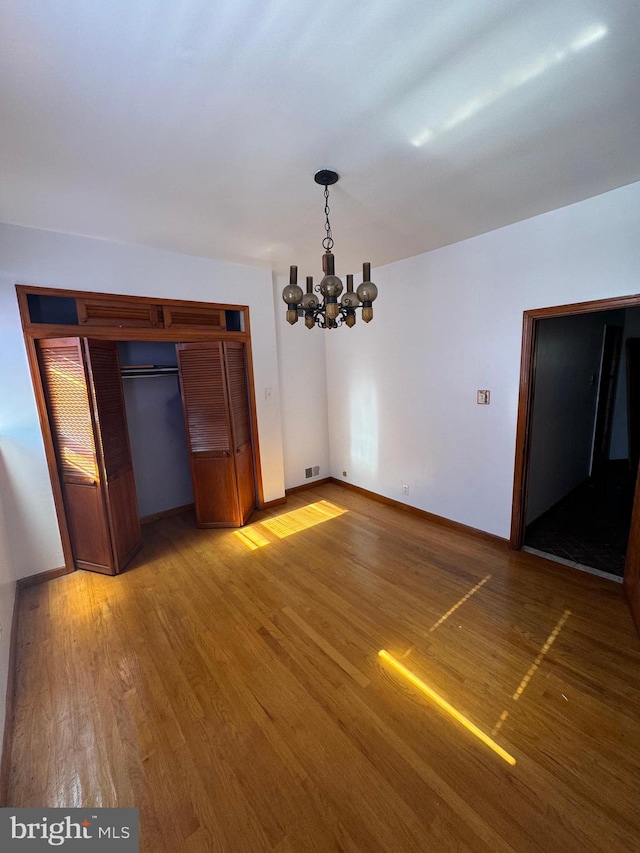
(530, 320)
(33, 332)
(525, 409)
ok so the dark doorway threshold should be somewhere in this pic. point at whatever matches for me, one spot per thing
(589, 528)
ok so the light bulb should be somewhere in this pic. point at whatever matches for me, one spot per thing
(292, 294)
(310, 302)
(333, 310)
(331, 286)
(367, 291)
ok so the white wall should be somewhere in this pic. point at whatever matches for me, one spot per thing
(157, 434)
(29, 256)
(28, 501)
(565, 390)
(7, 595)
(158, 440)
(303, 380)
(448, 323)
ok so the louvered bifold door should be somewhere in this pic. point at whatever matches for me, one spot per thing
(66, 390)
(113, 445)
(238, 389)
(208, 424)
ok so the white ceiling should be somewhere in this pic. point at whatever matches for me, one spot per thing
(197, 125)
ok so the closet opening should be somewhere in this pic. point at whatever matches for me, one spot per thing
(147, 408)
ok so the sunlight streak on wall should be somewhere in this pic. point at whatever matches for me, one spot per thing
(364, 428)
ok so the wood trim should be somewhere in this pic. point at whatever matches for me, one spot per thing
(43, 577)
(122, 297)
(132, 333)
(10, 701)
(126, 332)
(611, 304)
(253, 414)
(525, 408)
(304, 486)
(276, 502)
(426, 516)
(166, 513)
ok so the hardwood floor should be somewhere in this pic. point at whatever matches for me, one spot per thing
(229, 685)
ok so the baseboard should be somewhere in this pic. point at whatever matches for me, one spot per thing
(424, 515)
(7, 737)
(276, 502)
(305, 486)
(43, 577)
(166, 513)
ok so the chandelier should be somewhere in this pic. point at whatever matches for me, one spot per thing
(325, 310)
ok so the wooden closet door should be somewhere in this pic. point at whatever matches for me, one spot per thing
(238, 387)
(65, 385)
(203, 386)
(83, 390)
(113, 446)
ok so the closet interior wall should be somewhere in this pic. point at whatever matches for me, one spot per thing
(156, 426)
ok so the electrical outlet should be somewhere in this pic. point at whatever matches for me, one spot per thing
(405, 489)
(344, 473)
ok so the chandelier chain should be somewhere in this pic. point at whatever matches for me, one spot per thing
(327, 243)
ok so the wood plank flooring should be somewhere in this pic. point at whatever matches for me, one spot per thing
(229, 685)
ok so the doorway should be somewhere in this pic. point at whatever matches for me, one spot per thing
(569, 461)
(580, 480)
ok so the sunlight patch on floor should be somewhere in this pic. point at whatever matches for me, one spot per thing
(534, 666)
(459, 603)
(445, 706)
(253, 535)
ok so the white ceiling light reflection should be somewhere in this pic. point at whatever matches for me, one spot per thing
(513, 80)
(588, 37)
